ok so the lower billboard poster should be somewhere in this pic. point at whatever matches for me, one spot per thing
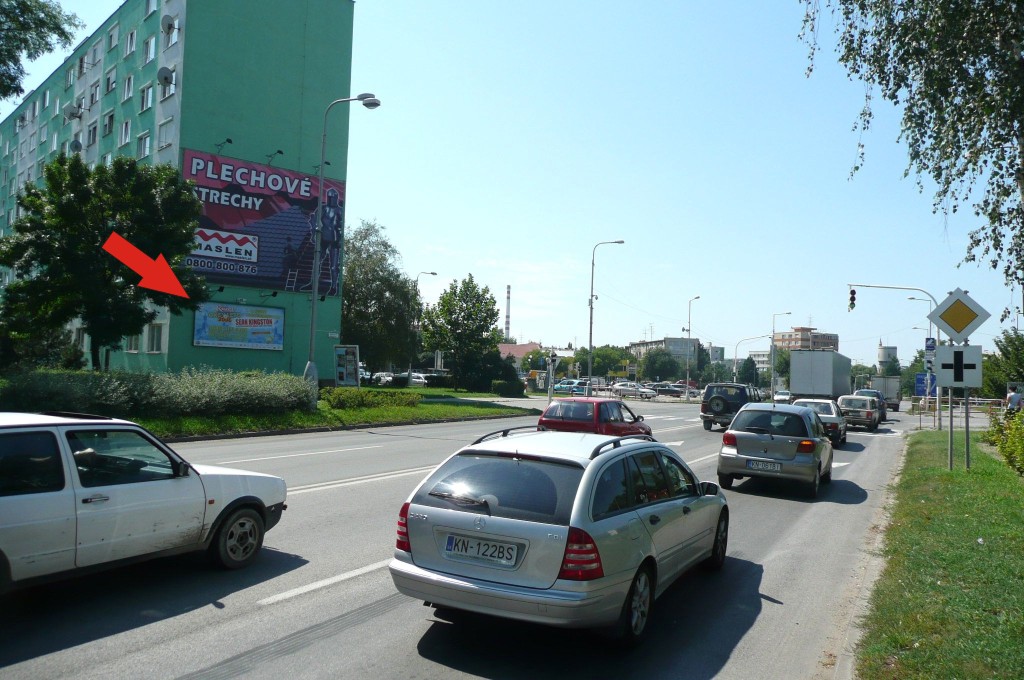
(346, 365)
(238, 326)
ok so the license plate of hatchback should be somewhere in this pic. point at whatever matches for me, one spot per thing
(493, 552)
(762, 465)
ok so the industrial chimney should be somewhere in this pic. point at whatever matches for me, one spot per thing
(508, 319)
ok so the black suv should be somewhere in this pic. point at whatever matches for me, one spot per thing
(721, 401)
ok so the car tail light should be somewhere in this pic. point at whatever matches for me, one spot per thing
(805, 446)
(581, 561)
(832, 426)
(871, 414)
(402, 540)
(729, 439)
(703, 407)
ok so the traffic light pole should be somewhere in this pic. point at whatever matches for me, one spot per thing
(938, 392)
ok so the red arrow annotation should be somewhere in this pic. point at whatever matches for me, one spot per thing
(156, 274)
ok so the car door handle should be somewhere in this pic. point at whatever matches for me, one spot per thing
(97, 498)
(654, 519)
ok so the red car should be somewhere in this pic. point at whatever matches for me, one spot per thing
(592, 414)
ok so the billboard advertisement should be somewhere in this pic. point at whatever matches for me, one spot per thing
(256, 229)
(346, 365)
(238, 326)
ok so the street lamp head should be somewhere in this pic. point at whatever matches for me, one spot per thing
(366, 95)
(371, 103)
(620, 241)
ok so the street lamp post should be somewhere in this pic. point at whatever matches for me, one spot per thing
(417, 326)
(689, 342)
(736, 352)
(771, 352)
(310, 373)
(928, 378)
(590, 301)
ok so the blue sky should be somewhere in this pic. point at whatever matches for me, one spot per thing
(513, 137)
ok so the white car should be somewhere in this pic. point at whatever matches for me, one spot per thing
(782, 397)
(632, 389)
(80, 491)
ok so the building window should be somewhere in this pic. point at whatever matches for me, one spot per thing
(126, 132)
(95, 61)
(165, 133)
(94, 93)
(155, 339)
(42, 136)
(53, 143)
(81, 66)
(112, 38)
(69, 77)
(56, 107)
(129, 85)
(111, 80)
(146, 97)
(143, 146)
(131, 344)
(107, 159)
(149, 47)
(46, 99)
(90, 137)
(151, 6)
(108, 123)
(172, 35)
(166, 90)
(129, 43)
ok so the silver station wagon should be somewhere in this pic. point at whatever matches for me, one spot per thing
(558, 528)
(779, 441)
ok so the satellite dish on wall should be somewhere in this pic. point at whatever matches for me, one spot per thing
(165, 76)
(75, 146)
(167, 23)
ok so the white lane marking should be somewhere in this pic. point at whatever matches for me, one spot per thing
(297, 455)
(678, 443)
(700, 460)
(835, 464)
(316, 585)
(671, 429)
(323, 486)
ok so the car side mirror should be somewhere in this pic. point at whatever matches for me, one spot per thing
(708, 489)
(639, 418)
(181, 469)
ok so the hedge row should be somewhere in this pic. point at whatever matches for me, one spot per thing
(1008, 437)
(192, 392)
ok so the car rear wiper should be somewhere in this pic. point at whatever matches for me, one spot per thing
(460, 500)
(758, 430)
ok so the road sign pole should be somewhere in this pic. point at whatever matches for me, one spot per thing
(967, 424)
(950, 429)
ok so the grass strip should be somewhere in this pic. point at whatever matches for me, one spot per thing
(950, 600)
(425, 412)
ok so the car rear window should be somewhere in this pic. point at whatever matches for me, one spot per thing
(504, 486)
(818, 406)
(570, 410)
(855, 403)
(770, 422)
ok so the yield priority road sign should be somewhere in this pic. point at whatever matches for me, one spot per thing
(959, 316)
(958, 366)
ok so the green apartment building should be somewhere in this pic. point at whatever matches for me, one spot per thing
(232, 92)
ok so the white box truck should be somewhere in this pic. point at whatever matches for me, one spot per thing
(889, 386)
(818, 374)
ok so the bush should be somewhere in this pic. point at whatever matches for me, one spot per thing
(507, 388)
(350, 397)
(1011, 442)
(193, 391)
(444, 381)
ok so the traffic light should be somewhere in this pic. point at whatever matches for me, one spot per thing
(928, 366)
(853, 298)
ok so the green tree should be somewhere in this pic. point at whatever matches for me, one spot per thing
(534, 360)
(782, 362)
(462, 325)
(40, 349)
(748, 372)
(56, 252)
(608, 358)
(892, 367)
(658, 364)
(956, 72)
(380, 305)
(28, 30)
(859, 374)
(1004, 366)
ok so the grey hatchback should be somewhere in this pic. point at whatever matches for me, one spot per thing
(559, 528)
(780, 441)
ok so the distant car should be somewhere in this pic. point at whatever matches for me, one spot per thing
(779, 441)
(879, 397)
(599, 415)
(669, 390)
(417, 379)
(562, 529)
(632, 389)
(859, 410)
(570, 386)
(782, 397)
(383, 378)
(80, 491)
(831, 417)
